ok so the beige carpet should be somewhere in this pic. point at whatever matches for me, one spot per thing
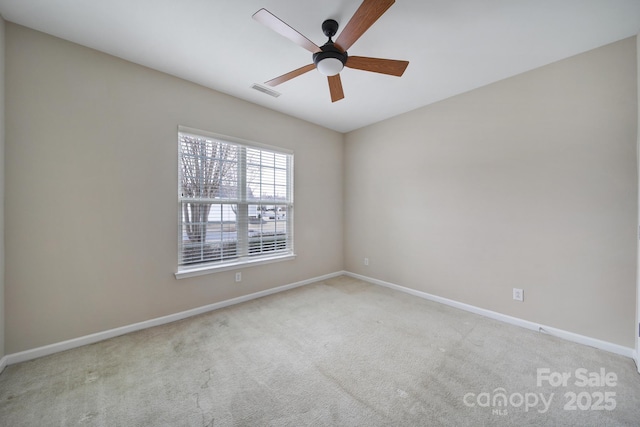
(338, 352)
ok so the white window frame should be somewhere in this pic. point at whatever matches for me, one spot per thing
(242, 216)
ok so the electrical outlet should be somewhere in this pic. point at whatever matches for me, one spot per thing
(238, 277)
(518, 294)
(366, 261)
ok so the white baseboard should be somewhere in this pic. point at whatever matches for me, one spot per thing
(3, 363)
(569, 336)
(23, 356)
(100, 336)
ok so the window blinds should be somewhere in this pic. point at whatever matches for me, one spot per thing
(236, 202)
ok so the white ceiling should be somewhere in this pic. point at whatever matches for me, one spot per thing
(453, 45)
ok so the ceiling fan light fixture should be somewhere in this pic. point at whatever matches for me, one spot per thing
(329, 66)
(330, 61)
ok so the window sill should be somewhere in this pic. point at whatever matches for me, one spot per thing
(211, 269)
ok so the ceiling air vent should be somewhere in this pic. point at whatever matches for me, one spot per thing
(266, 90)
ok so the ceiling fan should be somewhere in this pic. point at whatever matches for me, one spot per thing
(332, 57)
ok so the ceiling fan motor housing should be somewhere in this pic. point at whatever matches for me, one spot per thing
(330, 51)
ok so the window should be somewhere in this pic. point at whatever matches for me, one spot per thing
(236, 202)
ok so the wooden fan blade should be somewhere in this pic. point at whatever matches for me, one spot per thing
(291, 74)
(377, 65)
(368, 13)
(335, 87)
(276, 24)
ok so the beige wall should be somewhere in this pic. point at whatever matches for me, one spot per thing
(529, 182)
(91, 182)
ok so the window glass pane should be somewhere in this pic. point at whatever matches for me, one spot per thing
(253, 156)
(208, 232)
(280, 161)
(268, 234)
(267, 177)
(254, 186)
(208, 169)
(280, 177)
(267, 158)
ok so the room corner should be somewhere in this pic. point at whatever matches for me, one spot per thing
(2, 352)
